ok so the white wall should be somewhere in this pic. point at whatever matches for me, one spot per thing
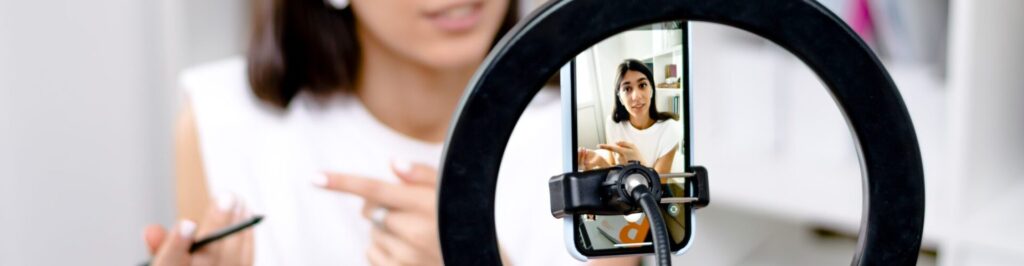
(987, 89)
(82, 131)
(86, 107)
(214, 29)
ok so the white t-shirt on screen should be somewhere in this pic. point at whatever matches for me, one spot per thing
(653, 142)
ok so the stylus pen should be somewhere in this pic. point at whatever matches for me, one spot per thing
(221, 234)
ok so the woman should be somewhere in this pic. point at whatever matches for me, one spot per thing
(354, 98)
(639, 132)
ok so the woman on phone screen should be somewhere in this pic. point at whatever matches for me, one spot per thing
(639, 132)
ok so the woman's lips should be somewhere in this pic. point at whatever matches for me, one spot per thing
(456, 18)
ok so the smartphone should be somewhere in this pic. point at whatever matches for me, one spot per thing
(627, 98)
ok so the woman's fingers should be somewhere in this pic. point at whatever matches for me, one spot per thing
(626, 146)
(414, 173)
(406, 235)
(153, 235)
(581, 157)
(400, 251)
(174, 249)
(378, 257)
(413, 228)
(246, 254)
(220, 215)
(587, 159)
(417, 190)
(232, 250)
(626, 151)
(217, 216)
(583, 152)
(613, 148)
(368, 208)
(232, 245)
(408, 226)
(392, 196)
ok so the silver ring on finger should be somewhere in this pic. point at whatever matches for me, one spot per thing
(377, 217)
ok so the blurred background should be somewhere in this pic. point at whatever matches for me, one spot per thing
(88, 96)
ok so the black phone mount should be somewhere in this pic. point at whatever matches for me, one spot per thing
(534, 50)
(605, 191)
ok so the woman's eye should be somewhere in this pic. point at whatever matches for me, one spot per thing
(643, 85)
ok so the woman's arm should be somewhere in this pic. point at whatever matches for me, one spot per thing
(190, 180)
(172, 248)
(664, 164)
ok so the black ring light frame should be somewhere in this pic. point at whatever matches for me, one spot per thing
(517, 68)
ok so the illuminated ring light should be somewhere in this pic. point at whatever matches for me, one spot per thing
(517, 68)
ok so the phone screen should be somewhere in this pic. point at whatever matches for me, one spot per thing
(629, 95)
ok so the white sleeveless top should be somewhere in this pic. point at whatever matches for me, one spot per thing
(268, 158)
(653, 142)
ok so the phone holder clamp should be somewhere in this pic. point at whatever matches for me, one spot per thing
(607, 191)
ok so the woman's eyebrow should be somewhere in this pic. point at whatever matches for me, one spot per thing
(641, 79)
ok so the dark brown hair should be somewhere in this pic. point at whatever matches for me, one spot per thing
(621, 114)
(309, 45)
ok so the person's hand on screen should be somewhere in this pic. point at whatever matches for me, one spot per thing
(626, 150)
(172, 248)
(591, 159)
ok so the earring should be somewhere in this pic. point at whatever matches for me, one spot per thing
(339, 4)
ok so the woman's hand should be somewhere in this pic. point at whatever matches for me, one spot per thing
(591, 159)
(627, 152)
(404, 214)
(172, 249)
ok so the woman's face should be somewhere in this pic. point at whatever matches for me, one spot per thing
(635, 93)
(441, 34)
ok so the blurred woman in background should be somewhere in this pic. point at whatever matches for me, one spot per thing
(355, 98)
